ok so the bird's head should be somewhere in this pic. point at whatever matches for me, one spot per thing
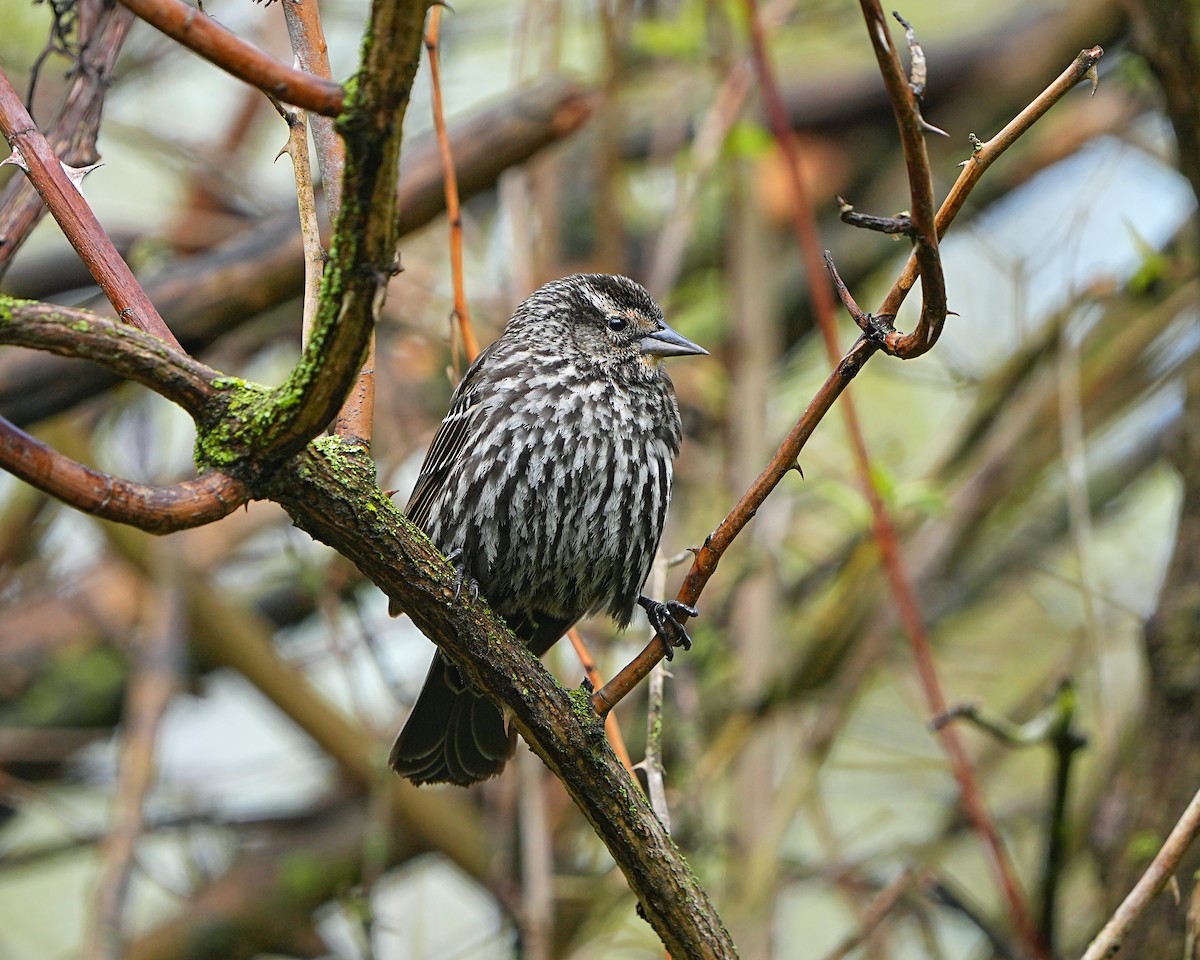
(603, 317)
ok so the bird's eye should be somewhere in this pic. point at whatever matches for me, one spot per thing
(617, 324)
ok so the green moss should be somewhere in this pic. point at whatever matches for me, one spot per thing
(8, 305)
(248, 411)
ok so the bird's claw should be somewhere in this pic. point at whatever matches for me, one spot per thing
(666, 620)
(462, 578)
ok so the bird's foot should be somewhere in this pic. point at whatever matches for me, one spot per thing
(667, 619)
(462, 579)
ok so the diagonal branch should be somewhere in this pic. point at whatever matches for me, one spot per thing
(204, 36)
(330, 493)
(883, 525)
(76, 218)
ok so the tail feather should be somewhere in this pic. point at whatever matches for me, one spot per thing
(453, 735)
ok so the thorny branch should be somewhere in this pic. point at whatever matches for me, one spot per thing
(73, 130)
(883, 526)
(708, 556)
(76, 218)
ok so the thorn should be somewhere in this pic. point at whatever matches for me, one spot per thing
(930, 128)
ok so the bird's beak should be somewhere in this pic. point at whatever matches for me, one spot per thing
(667, 343)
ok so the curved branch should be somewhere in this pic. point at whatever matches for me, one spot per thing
(192, 503)
(127, 351)
(204, 36)
(76, 218)
(920, 185)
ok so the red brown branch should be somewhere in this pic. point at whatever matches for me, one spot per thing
(150, 508)
(784, 460)
(920, 184)
(717, 542)
(462, 315)
(76, 218)
(207, 38)
(611, 728)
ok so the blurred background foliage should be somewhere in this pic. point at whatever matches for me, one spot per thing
(1037, 462)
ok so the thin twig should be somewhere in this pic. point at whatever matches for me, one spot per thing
(652, 762)
(1108, 941)
(877, 911)
(537, 860)
(1054, 727)
(306, 205)
(355, 419)
(312, 56)
(206, 37)
(460, 319)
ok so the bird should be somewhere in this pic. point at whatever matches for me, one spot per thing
(547, 486)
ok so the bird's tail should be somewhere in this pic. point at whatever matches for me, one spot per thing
(453, 735)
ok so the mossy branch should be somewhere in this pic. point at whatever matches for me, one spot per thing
(330, 492)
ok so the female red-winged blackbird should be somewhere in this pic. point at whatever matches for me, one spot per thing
(547, 486)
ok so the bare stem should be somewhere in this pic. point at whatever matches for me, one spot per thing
(461, 318)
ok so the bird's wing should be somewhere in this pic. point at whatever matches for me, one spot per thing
(449, 442)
